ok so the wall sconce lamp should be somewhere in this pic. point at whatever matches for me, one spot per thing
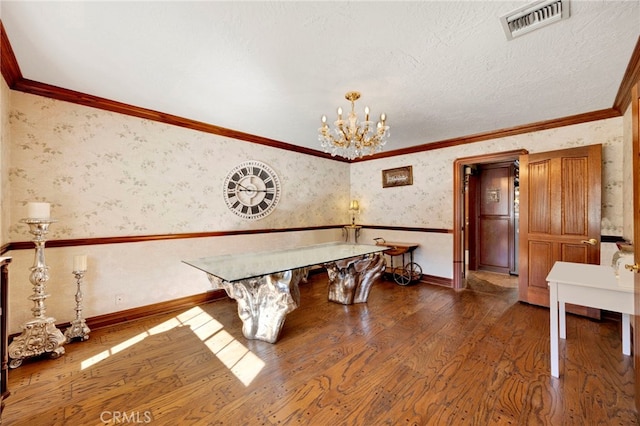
(354, 209)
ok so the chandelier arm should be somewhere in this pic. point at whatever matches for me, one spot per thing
(370, 142)
(327, 138)
(365, 130)
(342, 141)
(344, 138)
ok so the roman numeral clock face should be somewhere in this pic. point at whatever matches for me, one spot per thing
(252, 190)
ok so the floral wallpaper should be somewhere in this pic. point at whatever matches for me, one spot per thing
(108, 175)
(428, 202)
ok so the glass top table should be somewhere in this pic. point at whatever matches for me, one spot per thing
(235, 267)
(265, 284)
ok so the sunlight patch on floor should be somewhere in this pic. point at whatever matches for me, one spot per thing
(243, 363)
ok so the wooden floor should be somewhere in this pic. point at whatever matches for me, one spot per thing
(414, 355)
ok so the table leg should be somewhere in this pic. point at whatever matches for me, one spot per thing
(562, 320)
(553, 328)
(264, 302)
(626, 335)
(350, 280)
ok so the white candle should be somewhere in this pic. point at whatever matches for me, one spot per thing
(38, 210)
(80, 262)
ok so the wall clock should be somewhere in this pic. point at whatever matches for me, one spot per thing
(252, 190)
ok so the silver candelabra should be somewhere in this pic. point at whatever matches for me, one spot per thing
(40, 334)
(78, 327)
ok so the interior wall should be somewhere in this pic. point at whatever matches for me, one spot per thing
(107, 174)
(129, 275)
(428, 203)
(434, 253)
(110, 175)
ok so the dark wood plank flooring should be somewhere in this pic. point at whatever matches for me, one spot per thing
(414, 355)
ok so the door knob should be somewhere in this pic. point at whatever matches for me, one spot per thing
(590, 241)
(633, 268)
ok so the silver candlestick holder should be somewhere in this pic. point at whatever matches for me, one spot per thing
(40, 334)
(78, 327)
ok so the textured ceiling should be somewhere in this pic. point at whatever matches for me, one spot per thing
(438, 69)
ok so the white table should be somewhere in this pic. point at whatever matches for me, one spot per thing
(594, 286)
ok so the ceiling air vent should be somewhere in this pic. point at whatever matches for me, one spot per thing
(534, 15)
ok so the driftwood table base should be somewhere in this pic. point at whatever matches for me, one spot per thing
(264, 302)
(265, 284)
(350, 280)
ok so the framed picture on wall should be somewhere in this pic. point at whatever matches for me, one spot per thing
(397, 177)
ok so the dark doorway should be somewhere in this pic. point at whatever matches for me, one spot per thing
(491, 213)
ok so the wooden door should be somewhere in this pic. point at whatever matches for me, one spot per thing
(495, 228)
(635, 114)
(559, 216)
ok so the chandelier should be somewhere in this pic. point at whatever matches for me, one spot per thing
(351, 138)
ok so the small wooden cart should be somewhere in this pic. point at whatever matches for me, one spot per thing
(407, 272)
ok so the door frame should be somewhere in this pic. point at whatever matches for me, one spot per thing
(458, 205)
(635, 168)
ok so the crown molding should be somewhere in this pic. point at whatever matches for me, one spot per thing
(8, 65)
(13, 76)
(631, 77)
(501, 133)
